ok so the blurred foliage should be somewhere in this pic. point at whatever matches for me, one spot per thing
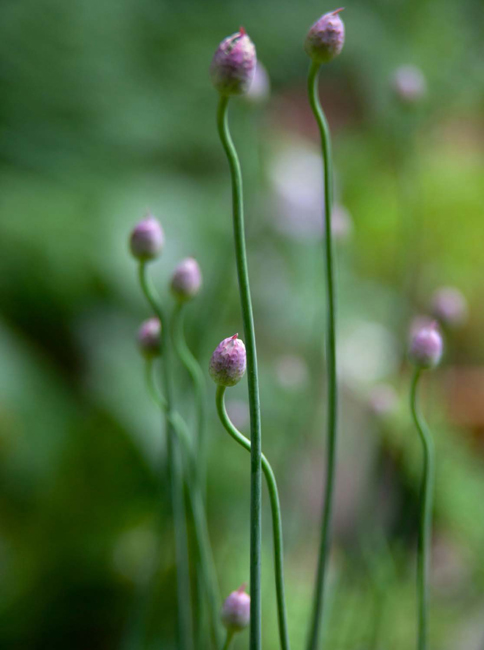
(106, 110)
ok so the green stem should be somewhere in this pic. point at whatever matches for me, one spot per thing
(175, 472)
(252, 376)
(332, 388)
(228, 639)
(202, 538)
(196, 375)
(425, 523)
(276, 516)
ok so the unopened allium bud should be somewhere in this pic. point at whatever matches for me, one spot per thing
(228, 362)
(449, 306)
(409, 84)
(186, 280)
(260, 87)
(147, 239)
(326, 38)
(236, 610)
(233, 64)
(149, 338)
(426, 346)
(383, 400)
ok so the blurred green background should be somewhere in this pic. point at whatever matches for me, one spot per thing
(106, 111)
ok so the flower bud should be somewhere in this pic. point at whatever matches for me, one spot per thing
(383, 400)
(186, 280)
(409, 84)
(426, 346)
(260, 87)
(147, 239)
(326, 38)
(233, 64)
(149, 338)
(236, 610)
(449, 307)
(228, 362)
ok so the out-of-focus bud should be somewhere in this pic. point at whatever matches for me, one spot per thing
(186, 280)
(149, 338)
(233, 64)
(426, 346)
(260, 88)
(147, 239)
(409, 84)
(292, 372)
(341, 223)
(383, 400)
(236, 610)
(449, 307)
(228, 362)
(326, 38)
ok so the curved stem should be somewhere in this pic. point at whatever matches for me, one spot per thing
(425, 523)
(252, 376)
(175, 473)
(276, 516)
(332, 388)
(228, 639)
(202, 538)
(193, 368)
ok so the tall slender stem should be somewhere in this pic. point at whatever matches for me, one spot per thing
(252, 376)
(228, 639)
(425, 523)
(332, 388)
(276, 516)
(175, 472)
(202, 538)
(196, 375)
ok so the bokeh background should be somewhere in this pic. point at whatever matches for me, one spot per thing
(107, 111)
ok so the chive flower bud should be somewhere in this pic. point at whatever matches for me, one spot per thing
(147, 239)
(383, 400)
(228, 362)
(449, 307)
(409, 84)
(260, 87)
(426, 346)
(186, 280)
(236, 610)
(233, 64)
(149, 338)
(326, 38)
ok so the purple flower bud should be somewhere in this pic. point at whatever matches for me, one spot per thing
(426, 346)
(147, 239)
(236, 610)
(233, 64)
(326, 38)
(409, 84)
(228, 362)
(449, 307)
(260, 87)
(383, 400)
(186, 280)
(149, 338)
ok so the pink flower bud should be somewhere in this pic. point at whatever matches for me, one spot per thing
(326, 38)
(228, 362)
(149, 338)
(147, 239)
(426, 347)
(233, 64)
(409, 84)
(449, 307)
(186, 280)
(236, 610)
(260, 87)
